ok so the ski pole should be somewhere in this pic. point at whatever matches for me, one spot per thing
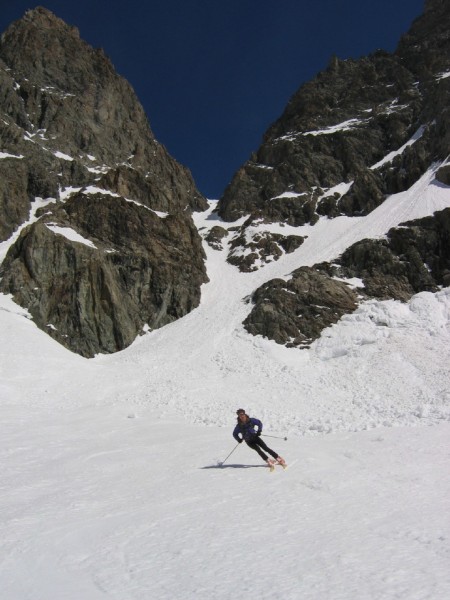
(221, 463)
(274, 436)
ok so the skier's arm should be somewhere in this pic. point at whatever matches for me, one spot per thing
(236, 434)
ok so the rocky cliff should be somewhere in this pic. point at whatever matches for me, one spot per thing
(360, 131)
(75, 138)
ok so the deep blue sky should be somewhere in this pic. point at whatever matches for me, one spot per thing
(212, 75)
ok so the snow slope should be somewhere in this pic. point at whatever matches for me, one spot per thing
(111, 485)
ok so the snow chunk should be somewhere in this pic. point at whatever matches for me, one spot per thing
(159, 213)
(261, 166)
(353, 282)
(7, 155)
(59, 154)
(390, 157)
(348, 125)
(71, 235)
(98, 170)
(394, 107)
(67, 192)
(92, 189)
(340, 188)
(344, 126)
(289, 195)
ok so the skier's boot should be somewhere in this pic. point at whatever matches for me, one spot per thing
(271, 463)
(281, 461)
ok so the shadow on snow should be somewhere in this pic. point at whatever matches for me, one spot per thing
(234, 466)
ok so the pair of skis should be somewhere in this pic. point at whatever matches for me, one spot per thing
(273, 465)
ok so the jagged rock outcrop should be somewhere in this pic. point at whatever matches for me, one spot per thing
(215, 237)
(294, 312)
(414, 257)
(130, 268)
(262, 248)
(73, 130)
(359, 131)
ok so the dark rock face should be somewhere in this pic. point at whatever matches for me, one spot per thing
(14, 198)
(71, 125)
(415, 257)
(338, 127)
(443, 175)
(294, 312)
(141, 269)
(215, 236)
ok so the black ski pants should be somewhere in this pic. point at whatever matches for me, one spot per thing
(257, 444)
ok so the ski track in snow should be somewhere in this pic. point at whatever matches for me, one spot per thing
(111, 485)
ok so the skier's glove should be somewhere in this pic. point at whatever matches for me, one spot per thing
(258, 433)
(240, 441)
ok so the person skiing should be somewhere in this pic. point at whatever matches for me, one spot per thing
(248, 430)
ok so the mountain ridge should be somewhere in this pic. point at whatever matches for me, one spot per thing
(359, 133)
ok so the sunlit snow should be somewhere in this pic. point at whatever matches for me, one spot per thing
(111, 485)
(389, 157)
(70, 234)
(8, 155)
(63, 156)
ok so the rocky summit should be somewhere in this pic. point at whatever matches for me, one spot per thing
(111, 247)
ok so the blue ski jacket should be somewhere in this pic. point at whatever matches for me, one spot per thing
(247, 431)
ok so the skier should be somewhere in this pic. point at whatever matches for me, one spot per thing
(249, 429)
